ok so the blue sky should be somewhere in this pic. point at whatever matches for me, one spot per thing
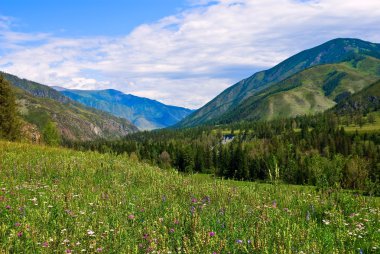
(180, 52)
(87, 17)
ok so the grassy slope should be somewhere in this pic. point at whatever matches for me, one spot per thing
(367, 100)
(310, 91)
(367, 127)
(55, 199)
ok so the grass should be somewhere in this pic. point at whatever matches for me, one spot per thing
(54, 200)
(367, 127)
(226, 131)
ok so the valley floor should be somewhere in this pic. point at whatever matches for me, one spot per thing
(64, 201)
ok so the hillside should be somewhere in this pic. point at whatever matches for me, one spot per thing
(60, 200)
(40, 105)
(367, 100)
(334, 51)
(314, 90)
(145, 113)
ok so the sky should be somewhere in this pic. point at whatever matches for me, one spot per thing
(179, 52)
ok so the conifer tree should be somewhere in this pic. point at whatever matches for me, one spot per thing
(9, 122)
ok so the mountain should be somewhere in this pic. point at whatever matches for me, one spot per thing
(58, 88)
(331, 52)
(145, 113)
(314, 90)
(40, 104)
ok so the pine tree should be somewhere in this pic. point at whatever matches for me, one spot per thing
(9, 122)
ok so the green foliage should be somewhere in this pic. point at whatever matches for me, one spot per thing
(332, 82)
(325, 173)
(9, 121)
(38, 117)
(356, 173)
(165, 160)
(51, 135)
(58, 201)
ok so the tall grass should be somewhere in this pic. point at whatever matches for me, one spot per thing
(61, 201)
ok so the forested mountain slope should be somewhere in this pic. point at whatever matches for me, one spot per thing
(40, 105)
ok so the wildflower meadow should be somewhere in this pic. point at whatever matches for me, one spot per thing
(54, 200)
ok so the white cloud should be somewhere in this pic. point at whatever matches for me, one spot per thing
(5, 22)
(188, 58)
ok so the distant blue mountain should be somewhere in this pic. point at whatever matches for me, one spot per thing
(145, 113)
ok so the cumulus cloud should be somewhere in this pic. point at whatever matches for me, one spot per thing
(190, 57)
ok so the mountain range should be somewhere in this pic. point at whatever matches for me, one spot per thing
(341, 73)
(145, 113)
(40, 104)
(311, 81)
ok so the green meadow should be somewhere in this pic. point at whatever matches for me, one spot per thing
(367, 127)
(54, 200)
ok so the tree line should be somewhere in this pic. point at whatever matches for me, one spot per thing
(313, 150)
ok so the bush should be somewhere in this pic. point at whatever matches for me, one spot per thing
(356, 173)
(325, 173)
